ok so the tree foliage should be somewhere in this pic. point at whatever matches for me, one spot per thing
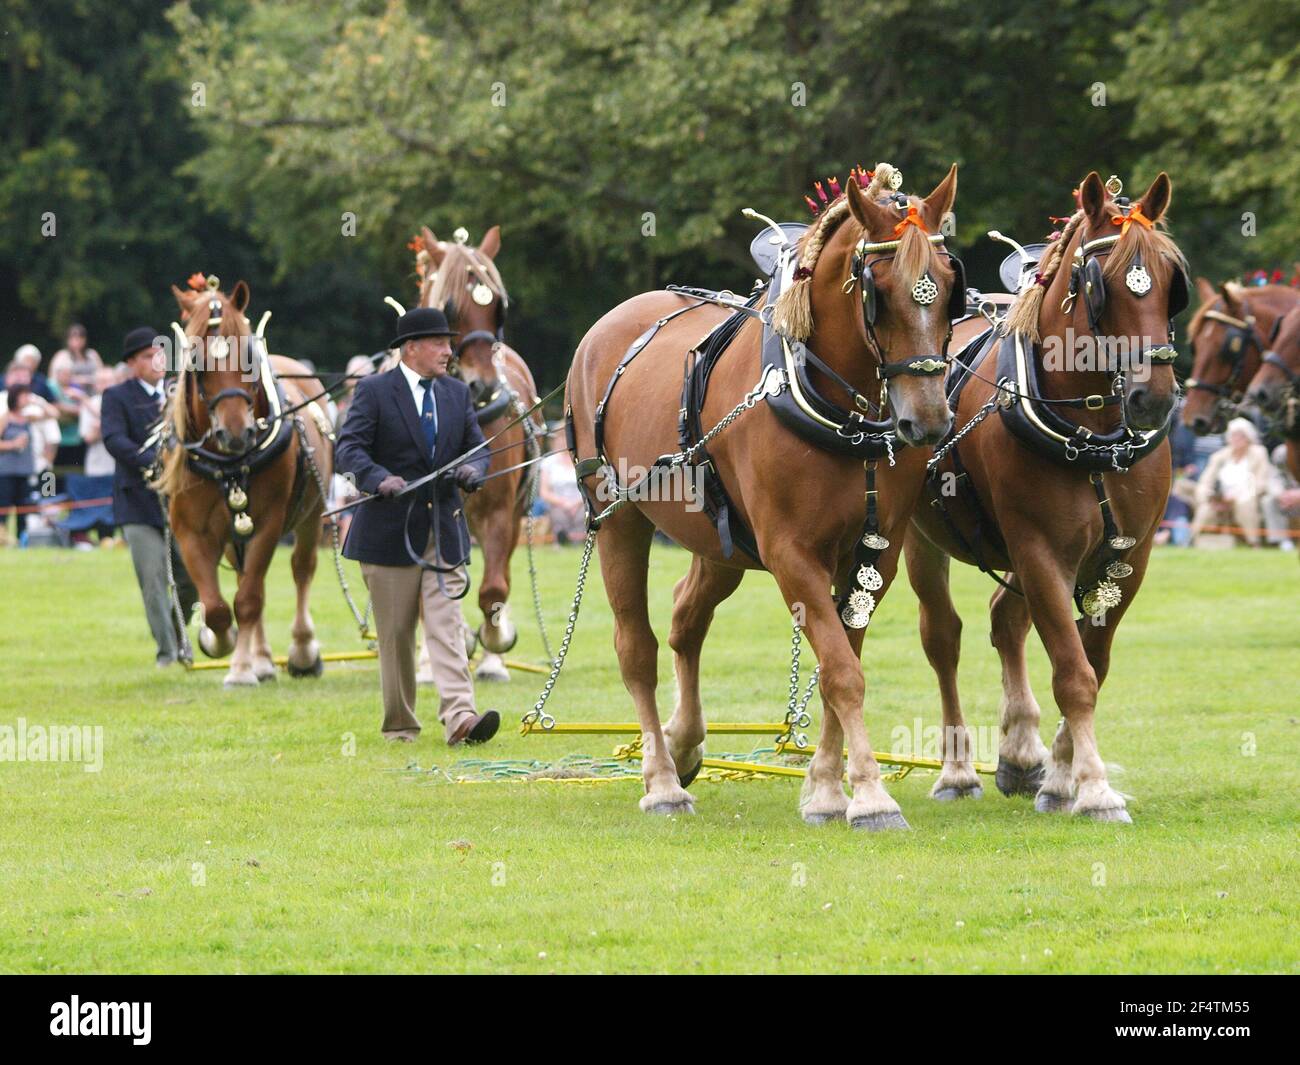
(614, 144)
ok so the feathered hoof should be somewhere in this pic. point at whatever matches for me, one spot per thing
(1116, 814)
(240, 680)
(313, 670)
(1019, 780)
(1046, 803)
(492, 672)
(888, 821)
(213, 647)
(263, 678)
(952, 794)
(498, 640)
(669, 809)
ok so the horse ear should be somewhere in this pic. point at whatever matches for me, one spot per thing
(182, 301)
(1155, 201)
(1205, 290)
(239, 296)
(491, 242)
(867, 213)
(1234, 298)
(1092, 195)
(432, 246)
(940, 201)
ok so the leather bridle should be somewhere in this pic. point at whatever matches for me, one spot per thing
(1240, 335)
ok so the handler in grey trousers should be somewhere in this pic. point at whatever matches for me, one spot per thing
(128, 414)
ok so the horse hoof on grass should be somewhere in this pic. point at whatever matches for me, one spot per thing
(1116, 814)
(883, 822)
(1019, 780)
(821, 818)
(262, 678)
(494, 674)
(670, 809)
(246, 680)
(313, 670)
(952, 794)
(1045, 803)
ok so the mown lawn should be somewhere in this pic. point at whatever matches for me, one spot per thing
(239, 833)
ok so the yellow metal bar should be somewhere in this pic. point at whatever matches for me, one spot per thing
(890, 759)
(619, 728)
(336, 656)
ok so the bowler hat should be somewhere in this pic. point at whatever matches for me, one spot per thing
(139, 338)
(422, 322)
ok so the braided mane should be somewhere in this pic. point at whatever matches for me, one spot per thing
(792, 314)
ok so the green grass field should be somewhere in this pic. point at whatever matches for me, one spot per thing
(238, 833)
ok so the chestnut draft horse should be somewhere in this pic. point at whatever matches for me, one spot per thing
(1275, 389)
(864, 309)
(236, 471)
(464, 282)
(1063, 484)
(1230, 332)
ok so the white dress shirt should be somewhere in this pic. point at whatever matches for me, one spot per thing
(417, 394)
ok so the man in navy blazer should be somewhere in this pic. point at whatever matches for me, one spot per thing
(413, 546)
(128, 413)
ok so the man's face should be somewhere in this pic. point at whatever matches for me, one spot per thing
(427, 356)
(149, 365)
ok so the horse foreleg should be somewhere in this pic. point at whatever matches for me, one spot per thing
(201, 554)
(1074, 684)
(696, 596)
(304, 652)
(250, 598)
(624, 541)
(1022, 757)
(263, 663)
(497, 633)
(927, 570)
(803, 579)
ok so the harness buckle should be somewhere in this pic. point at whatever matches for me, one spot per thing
(1094, 402)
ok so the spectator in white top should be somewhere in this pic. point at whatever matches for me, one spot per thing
(1235, 485)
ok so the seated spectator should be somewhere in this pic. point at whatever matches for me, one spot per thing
(1236, 482)
(17, 465)
(85, 360)
(558, 490)
(29, 357)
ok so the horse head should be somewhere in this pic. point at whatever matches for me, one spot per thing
(1225, 355)
(1279, 370)
(881, 293)
(463, 281)
(218, 393)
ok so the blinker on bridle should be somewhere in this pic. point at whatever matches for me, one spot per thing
(924, 292)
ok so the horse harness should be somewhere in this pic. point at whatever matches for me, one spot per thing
(274, 432)
(864, 430)
(1239, 337)
(1034, 421)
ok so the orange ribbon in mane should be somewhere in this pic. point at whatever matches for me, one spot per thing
(1126, 220)
(912, 219)
(198, 282)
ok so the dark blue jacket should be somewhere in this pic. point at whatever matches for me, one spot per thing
(127, 415)
(380, 436)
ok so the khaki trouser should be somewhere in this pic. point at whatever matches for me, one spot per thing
(400, 595)
(149, 556)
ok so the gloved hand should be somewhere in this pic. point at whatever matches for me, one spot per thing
(469, 479)
(466, 478)
(391, 485)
